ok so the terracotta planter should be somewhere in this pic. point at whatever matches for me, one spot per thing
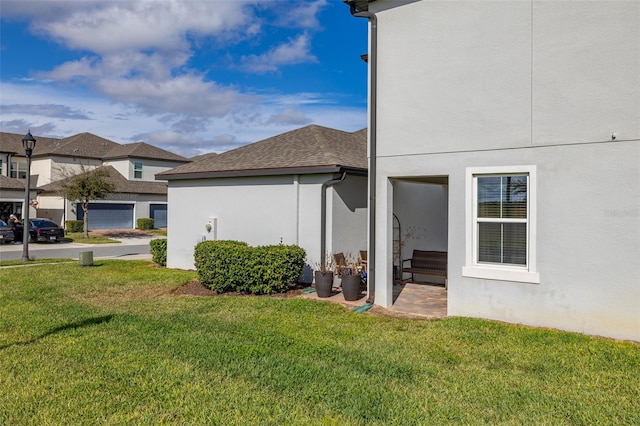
(324, 283)
(351, 287)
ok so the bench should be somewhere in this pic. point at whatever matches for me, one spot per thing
(428, 263)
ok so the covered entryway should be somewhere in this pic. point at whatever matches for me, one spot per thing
(108, 216)
(158, 213)
(420, 222)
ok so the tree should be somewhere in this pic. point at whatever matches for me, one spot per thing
(85, 187)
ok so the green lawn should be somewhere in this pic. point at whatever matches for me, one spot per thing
(110, 344)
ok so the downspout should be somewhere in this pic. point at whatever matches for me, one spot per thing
(373, 78)
(9, 155)
(323, 217)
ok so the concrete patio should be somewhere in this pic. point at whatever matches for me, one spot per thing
(411, 300)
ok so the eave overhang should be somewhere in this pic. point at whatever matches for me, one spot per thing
(356, 171)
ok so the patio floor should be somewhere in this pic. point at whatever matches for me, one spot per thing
(411, 300)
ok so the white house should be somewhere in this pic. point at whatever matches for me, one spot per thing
(133, 167)
(292, 188)
(508, 135)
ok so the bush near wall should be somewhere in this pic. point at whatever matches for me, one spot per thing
(158, 249)
(144, 223)
(226, 266)
(74, 225)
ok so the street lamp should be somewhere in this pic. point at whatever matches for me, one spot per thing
(28, 142)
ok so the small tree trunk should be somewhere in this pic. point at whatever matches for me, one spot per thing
(85, 208)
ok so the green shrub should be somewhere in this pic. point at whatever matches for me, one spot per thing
(226, 266)
(74, 225)
(158, 248)
(144, 223)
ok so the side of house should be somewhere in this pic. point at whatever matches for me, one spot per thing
(287, 189)
(527, 116)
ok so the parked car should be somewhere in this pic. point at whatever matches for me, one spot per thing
(41, 230)
(6, 233)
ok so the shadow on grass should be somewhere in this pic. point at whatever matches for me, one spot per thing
(72, 326)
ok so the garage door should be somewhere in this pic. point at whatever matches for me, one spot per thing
(159, 215)
(108, 216)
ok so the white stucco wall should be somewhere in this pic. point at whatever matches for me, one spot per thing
(348, 217)
(150, 168)
(62, 167)
(494, 74)
(261, 211)
(544, 84)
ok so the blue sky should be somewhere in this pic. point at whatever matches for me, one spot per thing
(190, 76)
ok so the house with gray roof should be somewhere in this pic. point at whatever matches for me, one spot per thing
(138, 194)
(507, 136)
(306, 187)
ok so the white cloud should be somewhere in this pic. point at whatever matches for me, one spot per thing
(185, 94)
(289, 116)
(304, 15)
(295, 51)
(82, 68)
(46, 110)
(112, 26)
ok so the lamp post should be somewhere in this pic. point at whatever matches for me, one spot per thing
(28, 142)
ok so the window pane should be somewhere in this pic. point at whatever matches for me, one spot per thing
(489, 190)
(514, 197)
(502, 196)
(489, 242)
(502, 243)
(514, 237)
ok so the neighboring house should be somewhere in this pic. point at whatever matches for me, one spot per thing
(56, 159)
(12, 198)
(508, 133)
(285, 189)
(129, 201)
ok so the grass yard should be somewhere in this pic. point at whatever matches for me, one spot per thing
(111, 344)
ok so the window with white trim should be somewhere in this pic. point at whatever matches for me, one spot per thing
(137, 170)
(18, 170)
(501, 226)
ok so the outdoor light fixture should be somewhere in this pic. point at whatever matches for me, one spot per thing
(28, 142)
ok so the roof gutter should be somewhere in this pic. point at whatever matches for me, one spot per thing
(373, 97)
(323, 217)
(262, 172)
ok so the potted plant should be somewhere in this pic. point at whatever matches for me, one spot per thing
(324, 277)
(352, 276)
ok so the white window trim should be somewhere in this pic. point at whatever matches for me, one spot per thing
(19, 168)
(136, 170)
(472, 269)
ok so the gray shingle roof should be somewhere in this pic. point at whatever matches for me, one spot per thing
(122, 185)
(86, 145)
(11, 183)
(308, 149)
(142, 150)
(12, 143)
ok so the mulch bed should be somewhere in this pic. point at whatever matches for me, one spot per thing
(194, 288)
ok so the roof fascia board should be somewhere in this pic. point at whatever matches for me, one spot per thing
(262, 172)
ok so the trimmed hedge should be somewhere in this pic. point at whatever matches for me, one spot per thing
(74, 225)
(144, 223)
(234, 266)
(158, 248)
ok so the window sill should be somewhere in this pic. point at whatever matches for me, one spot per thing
(501, 274)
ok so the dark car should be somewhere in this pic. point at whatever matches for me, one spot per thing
(41, 230)
(6, 233)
